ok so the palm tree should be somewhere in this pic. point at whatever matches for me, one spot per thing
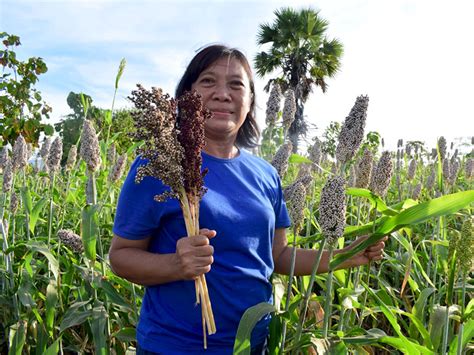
(300, 49)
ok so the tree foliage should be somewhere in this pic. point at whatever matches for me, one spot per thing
(22, 108)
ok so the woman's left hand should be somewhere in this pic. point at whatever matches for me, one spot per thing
(371, 253)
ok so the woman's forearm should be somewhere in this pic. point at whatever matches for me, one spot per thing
(145, 268)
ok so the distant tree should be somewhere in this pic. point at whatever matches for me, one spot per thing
(21, 106)
(330, 138)
(301, 50)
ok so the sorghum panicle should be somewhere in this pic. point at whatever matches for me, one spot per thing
(289, 109)
(55, 154)
(296, 205)
(71, 239)
(273, 105)
(71, 157)
(14, 203)
(44, 150)
(314, 152)
(280, 160)
(305, 180)
(3, 157)
(408, 150)
(442, 147)
(304, 170)
(111, 154)
(7, 176)
(351, 181)
(383, 175)
(446, 170)
(352, 131)
(364, 169)
(20, 154)
(416, 192)
(90, 150)
(411, 169)
(453, 171)
(469, 168)
(118, 168)
(332, 209)
(431, 179)
(465, 248)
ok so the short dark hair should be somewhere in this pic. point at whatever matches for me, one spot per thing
(249, 133)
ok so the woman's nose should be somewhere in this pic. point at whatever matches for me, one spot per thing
(221, 93)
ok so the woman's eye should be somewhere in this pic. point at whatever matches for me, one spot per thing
(207, 80)
(237, 83)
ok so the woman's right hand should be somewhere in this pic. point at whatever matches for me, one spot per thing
(194, 254)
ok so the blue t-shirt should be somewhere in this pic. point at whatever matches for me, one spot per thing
(244, 204)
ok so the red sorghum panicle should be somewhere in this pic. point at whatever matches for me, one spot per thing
(416, 192)
(55, 154)
(273, 105)
(289, 109)
(442, 147)
(192, 115)
(352, 131)
(90, 150)
(71, 157)
(20, 154)
(280, 160)
(7, 176)
(119, 168)
(382, 175)
(71, 239)
(332, 209)
(411, 169)
(296, 205)
(155, 123)
(364, 169)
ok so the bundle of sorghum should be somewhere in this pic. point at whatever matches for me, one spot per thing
(352, 131)
(173, 152)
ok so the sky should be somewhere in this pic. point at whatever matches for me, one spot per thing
(413, 58)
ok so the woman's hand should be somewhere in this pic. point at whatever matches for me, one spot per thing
(371, 253)
(194, 254)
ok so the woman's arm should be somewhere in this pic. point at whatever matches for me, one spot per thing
(131, 259)
(305, 257)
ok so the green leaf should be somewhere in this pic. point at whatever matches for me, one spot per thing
(108, 117)
(90, 231)
(112, 294)
(418, 309)
(401, 344)
(51, 302)
(298, 159)
(25, 290)
(48, 129)
(34, 215)
(26, 198)
(441, 206)
(126, 335)
(99, 319)
(43, 249)
(74, 316)
(248, 321)
(375, 201)
(53, 349)
(467, 336)
(17, 337)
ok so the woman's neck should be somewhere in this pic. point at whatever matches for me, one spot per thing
(220, 149)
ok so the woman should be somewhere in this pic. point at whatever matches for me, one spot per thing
(244, 218)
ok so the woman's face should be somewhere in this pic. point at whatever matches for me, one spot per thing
(225, 90)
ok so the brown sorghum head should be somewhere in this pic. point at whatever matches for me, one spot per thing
(411, 169)
(289, 109)
(430, 181)
(469, 168)
(3, 157)
(55, 154)
(296, 205)
(45, 147)
(273, 104)
(352, 131)
(20, 154)
(332, 209)
(71, 240)
(442, 147)
(416, 192)
(119, 168)
(111, 154)
(7, 176)
(71, 157)
(315, 151)
(90, 150)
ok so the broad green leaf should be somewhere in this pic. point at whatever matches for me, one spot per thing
(51, 302)
(34, 215)
(467, 336)
(26, 198)
(98, 322)
(53, 349)
(441, 206)
(112, 294)
(298, 159)
(401, 344)
(17, 337)
(25, 290)
(248, 321)
(108, 117)
(43, 249)
(437, 323)
(375, 201)
(75, 316)
(90, 231)
(418, 310)
(126, 335)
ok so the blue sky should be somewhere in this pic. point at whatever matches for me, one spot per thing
(413, 58)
